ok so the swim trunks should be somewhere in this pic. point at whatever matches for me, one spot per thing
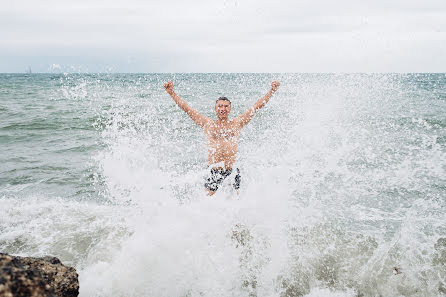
(217, 176)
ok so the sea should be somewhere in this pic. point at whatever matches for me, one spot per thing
(343, 184)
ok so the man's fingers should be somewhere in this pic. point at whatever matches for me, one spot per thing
(275, 85)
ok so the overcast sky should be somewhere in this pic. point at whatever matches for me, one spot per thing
(223, 36)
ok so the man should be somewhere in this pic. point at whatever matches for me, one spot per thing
(221, 135)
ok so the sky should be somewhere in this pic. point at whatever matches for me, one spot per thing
(223, 36)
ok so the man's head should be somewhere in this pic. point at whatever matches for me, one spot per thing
(222, 108)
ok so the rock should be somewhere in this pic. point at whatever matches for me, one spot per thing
(36, 277)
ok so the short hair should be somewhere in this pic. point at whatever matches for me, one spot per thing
(224, 99)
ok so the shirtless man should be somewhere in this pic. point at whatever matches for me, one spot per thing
(221, 135)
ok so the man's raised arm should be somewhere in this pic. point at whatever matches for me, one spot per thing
(197, 117)
(249, 114)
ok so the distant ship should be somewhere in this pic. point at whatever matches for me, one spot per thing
(29, 70)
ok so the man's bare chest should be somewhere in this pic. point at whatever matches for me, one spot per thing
(227, 132)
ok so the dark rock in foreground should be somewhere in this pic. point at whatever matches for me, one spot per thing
(36, 277)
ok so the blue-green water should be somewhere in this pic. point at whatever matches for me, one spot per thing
(343, 179)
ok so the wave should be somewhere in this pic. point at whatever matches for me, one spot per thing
(342, 193)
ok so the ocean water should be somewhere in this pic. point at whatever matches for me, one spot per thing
(343, 188)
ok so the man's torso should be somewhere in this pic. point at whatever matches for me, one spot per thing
(222, 141)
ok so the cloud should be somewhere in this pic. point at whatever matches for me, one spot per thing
(227, 36)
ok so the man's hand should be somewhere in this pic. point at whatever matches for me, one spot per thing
(275, 86)
(198, 118)
(169, 87)
(247, 116)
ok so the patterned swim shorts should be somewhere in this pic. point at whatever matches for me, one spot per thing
(218, 175)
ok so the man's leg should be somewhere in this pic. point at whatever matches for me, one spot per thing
(211, 184)
(237, 180)
(213, 181)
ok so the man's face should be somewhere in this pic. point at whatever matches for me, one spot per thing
(222, 108)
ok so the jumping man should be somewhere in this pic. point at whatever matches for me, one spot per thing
(221, 135)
